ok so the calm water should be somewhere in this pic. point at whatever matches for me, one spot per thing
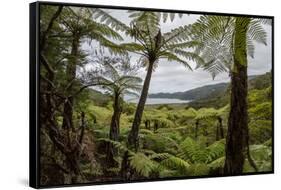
(160, 101)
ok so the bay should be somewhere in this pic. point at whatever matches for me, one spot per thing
(151, 101)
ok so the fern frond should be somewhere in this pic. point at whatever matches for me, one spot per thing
(94, 28)
(192, 151)
(250, 48)
(159, 143)
(132, 47)
(177, 35)
(205, 113)
(175, 163)
(109, 20)
(116, 144)
(188, 44)
(172, 57)
(262, 156)
(189, 56)
(147, 22)
(265, 21)
(216, 33)
(146, 131)
(159, 156)
(218, 163)
(142, 164)
(216, 150)
(256, 32)
(198, 169)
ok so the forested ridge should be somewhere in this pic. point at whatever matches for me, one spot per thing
(89, 133)
(218, 93)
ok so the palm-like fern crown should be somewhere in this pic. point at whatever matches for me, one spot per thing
(79, 21)
(116, 75)
(150, 42)
(205, 113)
(216, 36)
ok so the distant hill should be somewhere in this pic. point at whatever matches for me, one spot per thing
(215, 95)
(260, 81)
(196, 93)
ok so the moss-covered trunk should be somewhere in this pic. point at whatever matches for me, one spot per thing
(238, 116)
(114, 132)
(219, 131)
(196, 129)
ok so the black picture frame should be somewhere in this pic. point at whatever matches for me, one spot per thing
(34, 82)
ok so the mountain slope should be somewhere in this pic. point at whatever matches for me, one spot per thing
(195, 94)
(215, 94)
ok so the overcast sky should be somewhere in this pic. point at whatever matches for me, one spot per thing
(173, 77)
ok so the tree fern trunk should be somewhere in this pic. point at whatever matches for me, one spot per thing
(133, 135)
(221, 128)
(196, 129)
(70, 75)
(126, 171)
(238, 116)
(217, 133)
(114, 133)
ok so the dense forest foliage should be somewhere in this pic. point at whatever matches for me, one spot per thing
(89, 133)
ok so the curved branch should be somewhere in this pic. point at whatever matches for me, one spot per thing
(45, 34)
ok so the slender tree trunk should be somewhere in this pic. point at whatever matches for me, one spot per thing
(221, 128)
(44, 35)
(147, 124)
(114, 132)
(126, 172)
(133, 135)
(73, 156)
(155, 127)
(219, 132)
(70, 74)
(196, 129)
(238, 116)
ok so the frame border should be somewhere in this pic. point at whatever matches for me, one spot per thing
(34, 82)
(34, 133)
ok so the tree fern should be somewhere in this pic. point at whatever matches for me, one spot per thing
(216, 35)
(81, 20)
(144, 28)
